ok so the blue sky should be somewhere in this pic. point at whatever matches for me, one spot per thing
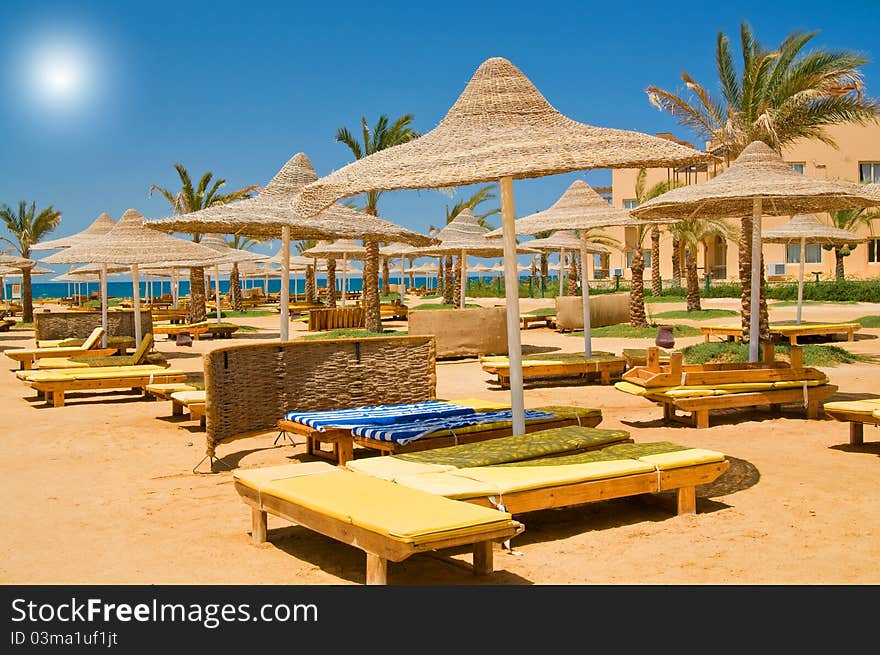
(238, 89)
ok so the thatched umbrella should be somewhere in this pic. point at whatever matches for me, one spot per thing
(344, 249)
(464, 236)
(500, 128)
(131, 242)
(98, 227)
(228, 255)
(13, 263)
(758, 182)
(402, 250)
(580, 208)
(269, 215)
(563, 240)
(804, 229)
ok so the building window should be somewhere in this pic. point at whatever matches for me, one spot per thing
(797, 166)
(812, 250)
(630, 203)
(645, 253)
(874, 251)
(869, 171)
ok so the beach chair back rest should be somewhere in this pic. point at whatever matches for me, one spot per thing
(93, 338)
(143, 349)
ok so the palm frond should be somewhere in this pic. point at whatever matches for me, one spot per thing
(345, 137)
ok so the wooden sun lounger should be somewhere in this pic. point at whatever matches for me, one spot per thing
(526, 320)
(27, 357)
(216, 330)
(604, 366)
(734, 385)
(342, 441)
(858, 413)
(787, 331)
(54, 388)
(307, 500)
(193, 401)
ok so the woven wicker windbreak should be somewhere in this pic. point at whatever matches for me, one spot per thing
(580, 207)
(564, 240)
(264, 215)
(130, 242)
(50, 326)
(500, 126)
(249, 388)
(759, 172)
(807, 226)
(464, 233)
(98, 227)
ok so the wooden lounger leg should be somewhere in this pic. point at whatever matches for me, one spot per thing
(856, 433)
(176, 408)
(259, 527)
(377, 570)
(687, 500)
(344, 450)
(606, 376)
(701, 418)
(483, 562)
(58, 398)
(813, 409)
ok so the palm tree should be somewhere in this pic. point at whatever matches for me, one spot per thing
(780, 96)
(644, 195)
(241, 243)
(384, 134)
(692, 232)
(637, 317)
(478, 197)
(311, 287)
(851, 220)
(190, 199)
(28, 227)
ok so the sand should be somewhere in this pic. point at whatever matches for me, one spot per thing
(102, 491)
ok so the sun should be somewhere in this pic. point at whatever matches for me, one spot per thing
(59, 72)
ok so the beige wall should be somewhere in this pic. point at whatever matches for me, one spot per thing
(857, 144)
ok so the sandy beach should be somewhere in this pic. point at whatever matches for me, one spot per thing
(101, 491)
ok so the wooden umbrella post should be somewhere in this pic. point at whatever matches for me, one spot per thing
(463, 265)
(585, 295)
(135, 278)
(104, 302)
(217, 291)
(801, 278)
(561, 270)
(284, 297)
(511, 292)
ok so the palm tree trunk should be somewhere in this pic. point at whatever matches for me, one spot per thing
(197, 312)
(637, 291)
(573, 275)
(838, 265)
(372, 315)
(331, 282)
(456, 293)
(27, 297)
(544, 272)
(448, 283)
(745, 273)
(693, 281)
(655, 262)
(676, 262)
(386, 276)
(764, 314)
(235, 289)
(311, 292)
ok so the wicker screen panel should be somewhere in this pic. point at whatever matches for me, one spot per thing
(249, 388)
(78, 325)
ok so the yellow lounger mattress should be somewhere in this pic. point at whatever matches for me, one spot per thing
(188, 397)
(104, 375)
(866, 407)
(699, 390)
(401, 513)
(479, 404)
(258, 478)
(104, 371)
(391, 468)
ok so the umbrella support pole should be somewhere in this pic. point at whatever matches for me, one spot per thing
(463, 274)
(585, 295)
(755, 300)
(284, 297)
(801, 279)
(104, 304)
(217, 291)
(136, 279)
(511, 292)
(561, 271)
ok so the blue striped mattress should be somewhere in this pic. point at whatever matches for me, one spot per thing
(379, 415)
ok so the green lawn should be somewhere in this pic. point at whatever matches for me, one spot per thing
(353, 334)
(814, 354)
(869, 321)
(625, 330)
(793, 303)
(247, 328)
(542, 311)
(661, 299)
(697, 315)
(247, 313)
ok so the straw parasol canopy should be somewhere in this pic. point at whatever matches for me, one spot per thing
(98, 227)
(500, 128)
(344, 249)
(803, 229)
(228, 255)
(464, 236)
(562, 240)
(95, 269)
(14, 261)
(269, 215)
(131, 242)
(580, 208)
(757, 182)
(13, 271)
